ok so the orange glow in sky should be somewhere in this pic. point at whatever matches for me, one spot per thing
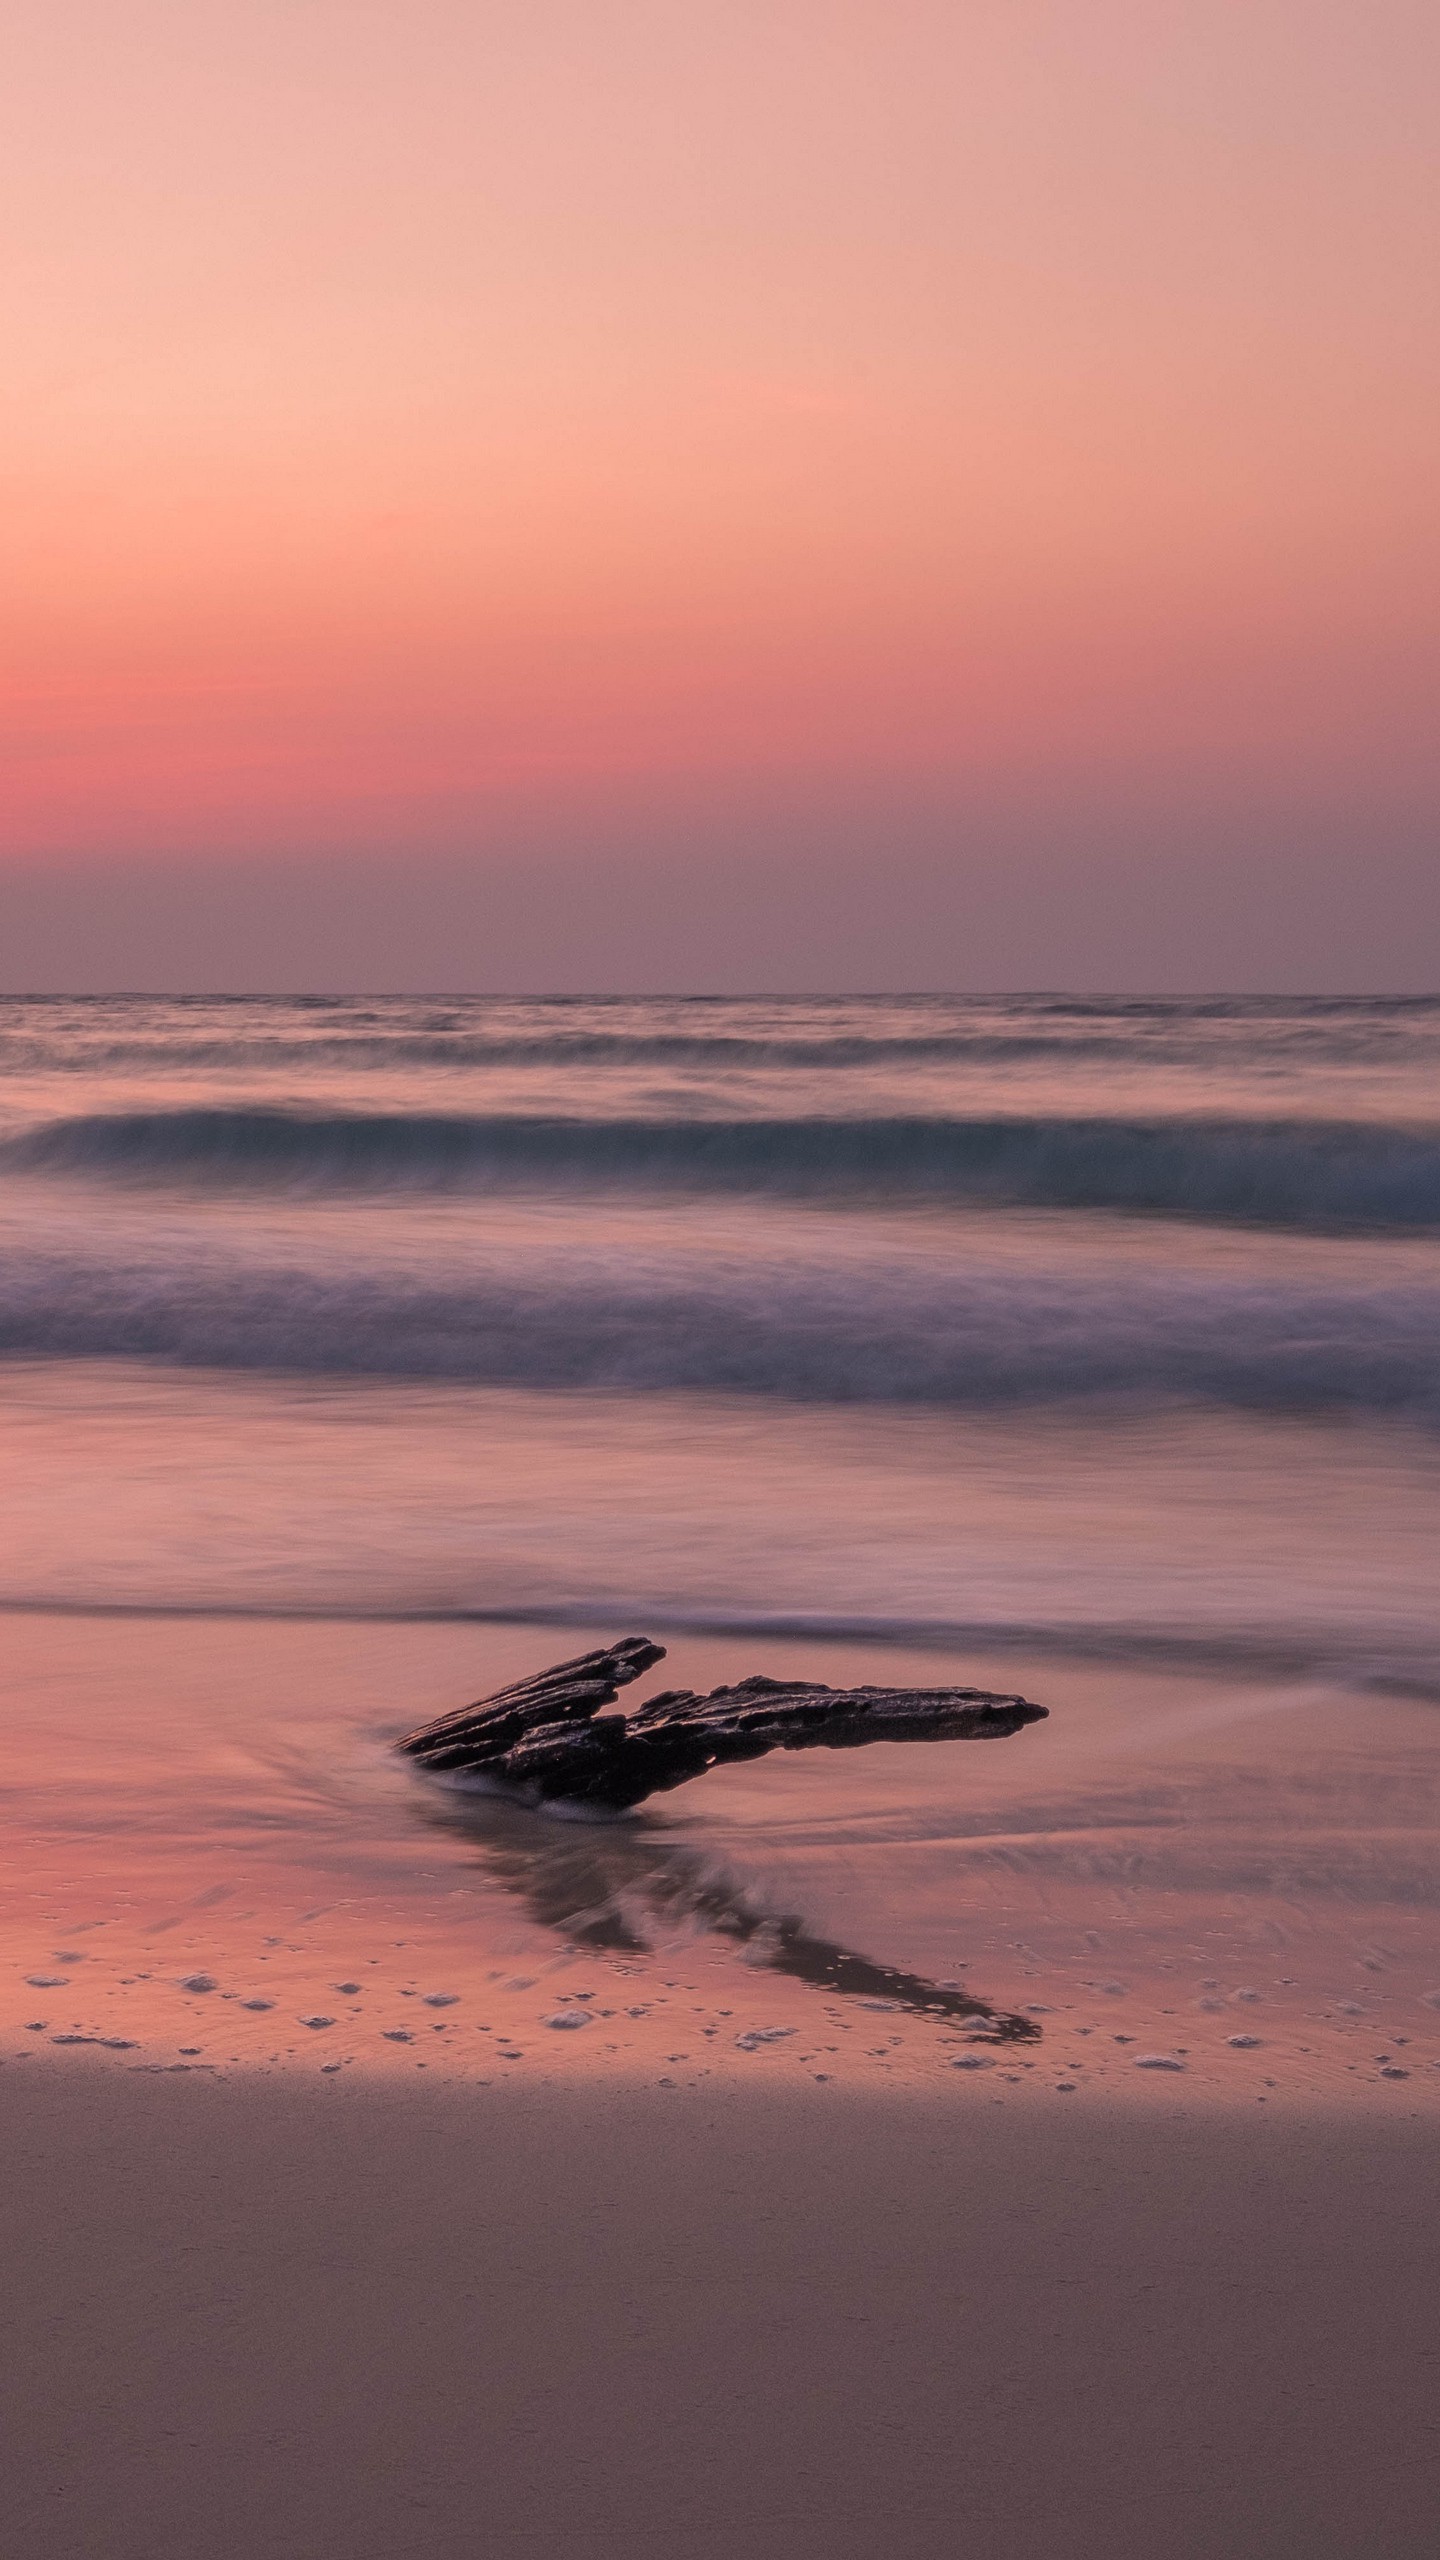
(418, 412)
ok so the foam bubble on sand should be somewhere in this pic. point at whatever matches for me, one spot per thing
(199, 1982)
(46, 1981)
(762, 2035)
(257, 2004)
(397, 2035)
(569, 2018)
(437, 1999)
(1244, 2042)
(317, 2022)
(1158, 2062)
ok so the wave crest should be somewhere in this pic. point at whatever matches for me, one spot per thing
(1317, 1175)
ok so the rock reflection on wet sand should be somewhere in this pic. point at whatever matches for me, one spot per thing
(622, 1888)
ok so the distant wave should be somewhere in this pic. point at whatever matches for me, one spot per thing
(738, 1036)
(1323, 1176)
(985, 1335)
(403, 1047)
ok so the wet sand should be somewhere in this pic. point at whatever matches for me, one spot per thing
(213, 1859)
(270, 2320)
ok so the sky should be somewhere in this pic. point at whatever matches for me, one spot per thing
(552, 494)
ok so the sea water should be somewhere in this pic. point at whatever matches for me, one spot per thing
(1082, 1345)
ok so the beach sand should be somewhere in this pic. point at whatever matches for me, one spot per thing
(319, 2244)
(274, 2319)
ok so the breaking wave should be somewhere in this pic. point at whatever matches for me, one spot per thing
(1303, 1174)
(986, 1335)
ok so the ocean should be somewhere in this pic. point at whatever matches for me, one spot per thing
(1091, 1344)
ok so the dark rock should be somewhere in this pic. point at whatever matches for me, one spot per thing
(548, 1737)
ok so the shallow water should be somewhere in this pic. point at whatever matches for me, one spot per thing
(359, 1356)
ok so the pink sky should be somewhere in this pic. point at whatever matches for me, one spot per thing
(475, 431)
